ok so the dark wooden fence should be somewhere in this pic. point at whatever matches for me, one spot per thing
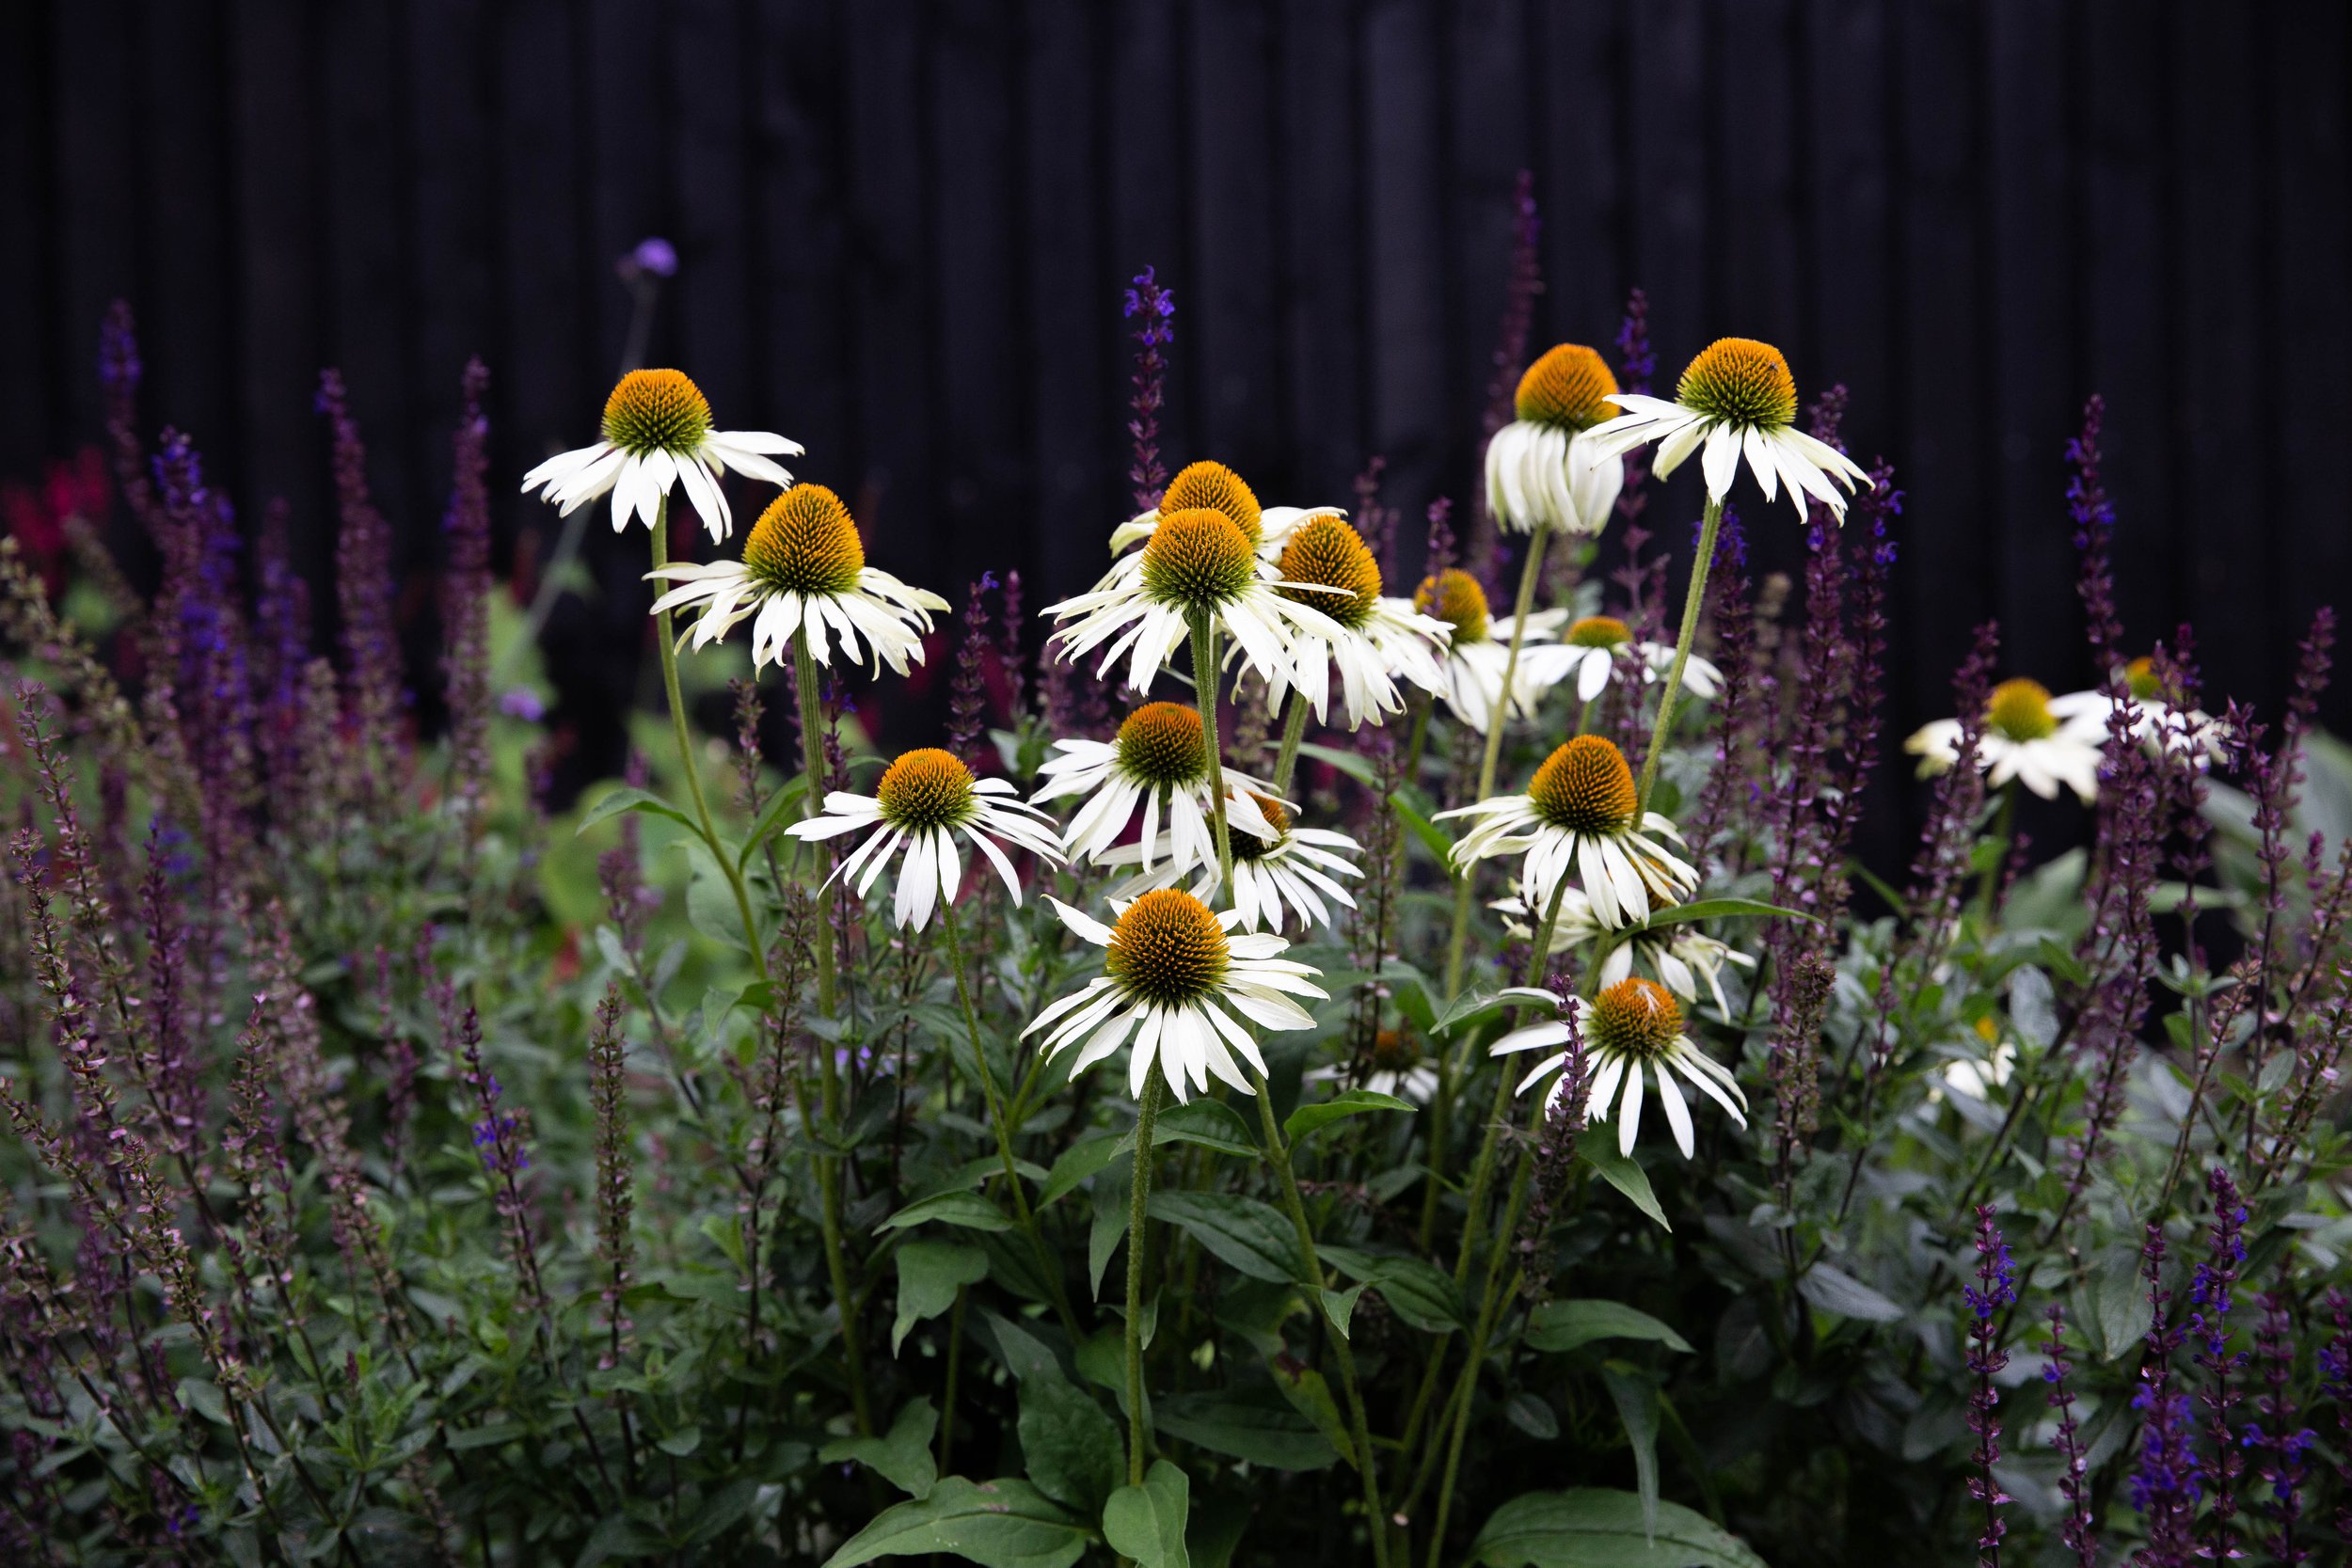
(904, 228)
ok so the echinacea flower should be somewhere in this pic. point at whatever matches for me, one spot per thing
(1737, 397)
(923, 801)
(1631, 1030)
(2153, 716)
(803, 570)
(1174, 968)
(1377, 639)
(1601, 646)
(1680, 957)
(657, 433)
(1220, 488)
(1395, 1067)
(1160, 759)
(1198, 565)
(1580, 813)
(2027, 738)
(1537, 472)
(1289, 869)
(1478, 650)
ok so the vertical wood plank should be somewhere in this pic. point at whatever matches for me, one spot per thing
(34, 398)
(1849, 301)
(1322, 210)
(547, 370)
(894, 396)
(1230, 127)
(451, 290)
(1670, 227)
(184, 336)
(718, 318)
(799, 270)
(1149, 225)
(1404, 256)
(1581, 54)
(1490, 118)
(94, 184)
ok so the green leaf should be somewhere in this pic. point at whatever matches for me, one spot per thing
(1075, 1452)
(1564, 1325)
(1146, 1523)
(1310, 1395)
(1714, 909)
(682, 1442)
(1210, 1123)
(772, 816)
(205, 1400)
(1355, 767)
(901, 1456)
(626, 797)
(1599, 1527)
(710, 906)
(1241, 1232)
(998, 1523)
(1079, 1162)
(968, 1209)
(1353, 1102)
(1834, 1290)
(1416, 1290)
(1636, 1399)
(1620, 1172)
(1269, 1435)
(1432, 837)
(1339, 1305)
(929, 1275)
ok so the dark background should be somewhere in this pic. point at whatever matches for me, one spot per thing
(904, 228)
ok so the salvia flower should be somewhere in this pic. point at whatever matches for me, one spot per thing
(1580, 813)
(1597, 649)
(2039, 740)
(1378, 641)
(924, 799)
(1478, 650)
(1537, 469)
(804, 572)
(1995, 1290)
(1290, 873)
(1160, 761)
(1737, 398)
(1173, 970)
(1681, 956)
(1633, 1033)
(657, 435)
(2152, 713)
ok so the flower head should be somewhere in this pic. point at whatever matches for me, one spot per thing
(1581, 810)
(1539, 468)
(1287, 870)
(1158, 760)
(1737, 398)
(804, 572)
(1395, 1065)
(1598, 648)
(1326, 567)
(1631, 1029)
(1680, 957)
(1217, 488)
(1478, 650)
(1172, 970)
(658, 433)
(2039, 740)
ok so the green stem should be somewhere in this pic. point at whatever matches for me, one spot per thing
(1360, 1429)
(1482, 1173)
(2003, 825)
(686, 759)
(1286, 760)
(1047, 1264)
(1147, 1115)
(1693, 601)
(955, 1370)
(1204, 683)
(1465, 1393)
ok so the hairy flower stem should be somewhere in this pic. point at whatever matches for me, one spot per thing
(1139, 1198)
(1359, 1428)
(1047, 1264)
(1286, 760)
(1204, 682)
(1693, 602)
(667, 643)
(813, 773)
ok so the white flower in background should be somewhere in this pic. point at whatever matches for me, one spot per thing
(1160, 761)
(1603, 647)
(657, 433)
(1291, 871)
(1478, 650)
(1538, 467)
(1736, 398)
(1378, 641)
(2029, 735)
(1632, 1031)
(1196, 563)
(924, 801)
(1173, 970)
(2152, 717)
(1978, 1079)
(1579, 814)
(1680, 957)
(803, 570)
(1396, 1068)
(1216, 486)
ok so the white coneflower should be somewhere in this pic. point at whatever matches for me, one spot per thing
(1580, 813)
(1601, 646)
(1737, 397)
(1478, 650)
(1173, 970)
(924, 799)
(1380, 641)
(1632, 1031)
(2152, 716)
(2026, 738)
(1159, 760)
(1288, 870)
(1197, 566)
(1537, 468)
(803, 569)
(1680, 956)
(657, 433)
(1218, 487)
(1395, 1067)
